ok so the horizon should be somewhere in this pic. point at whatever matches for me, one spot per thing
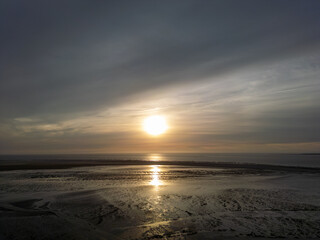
(160, 153)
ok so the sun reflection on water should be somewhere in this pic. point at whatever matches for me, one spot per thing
(155, 176)
(155, 157)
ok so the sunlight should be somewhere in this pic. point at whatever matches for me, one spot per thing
(155, 157)
(155, 176)
(155, 125)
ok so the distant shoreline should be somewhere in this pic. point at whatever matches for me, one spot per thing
(309, 154)
(11, 165)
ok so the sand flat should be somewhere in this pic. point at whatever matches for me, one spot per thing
(156, 201)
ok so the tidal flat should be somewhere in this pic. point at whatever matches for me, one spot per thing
(159, 201)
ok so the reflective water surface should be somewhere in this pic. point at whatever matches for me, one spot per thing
(158, 202)
(155, 175)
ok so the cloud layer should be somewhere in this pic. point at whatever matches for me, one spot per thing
(83, 74)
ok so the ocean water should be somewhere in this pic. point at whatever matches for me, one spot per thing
(301, 160)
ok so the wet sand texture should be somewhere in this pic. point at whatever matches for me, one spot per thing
(160, 202)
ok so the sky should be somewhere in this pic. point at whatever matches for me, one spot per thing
(230, 76)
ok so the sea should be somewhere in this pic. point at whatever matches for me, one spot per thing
(300, 160)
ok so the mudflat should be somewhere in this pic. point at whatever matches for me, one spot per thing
(152, 200)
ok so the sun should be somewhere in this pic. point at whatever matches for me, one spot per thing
(155, 125)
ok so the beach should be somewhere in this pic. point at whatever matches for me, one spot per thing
(156, 200)
(147, 120)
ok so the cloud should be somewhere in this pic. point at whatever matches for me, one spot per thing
(93, 55)
(226, 71)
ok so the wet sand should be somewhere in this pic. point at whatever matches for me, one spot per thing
(143, 200)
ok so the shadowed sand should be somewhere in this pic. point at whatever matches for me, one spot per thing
(7, 165)
(157, 200)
